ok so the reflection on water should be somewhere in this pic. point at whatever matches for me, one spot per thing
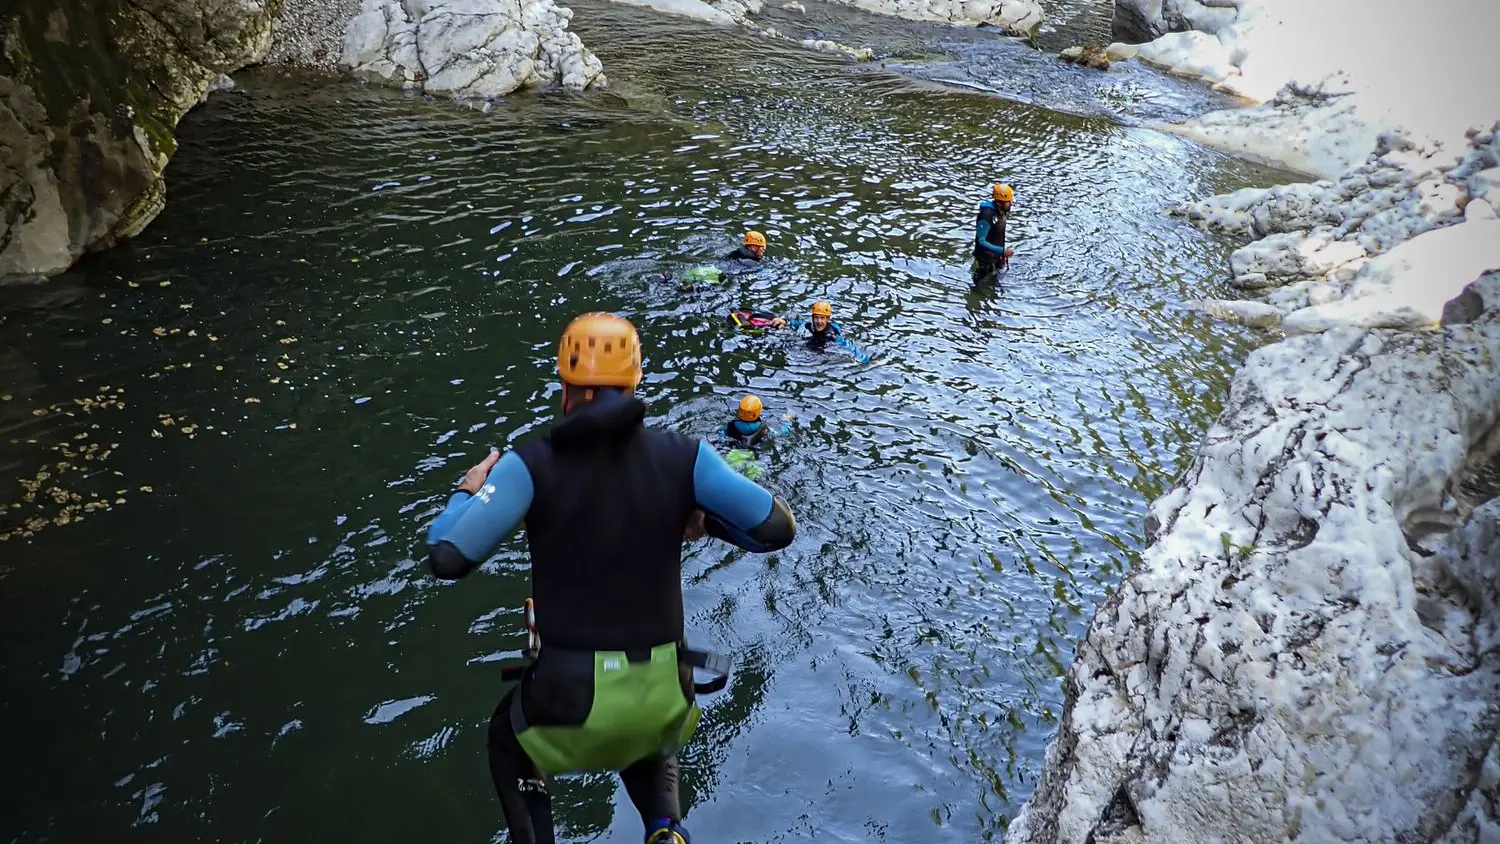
(353, 293)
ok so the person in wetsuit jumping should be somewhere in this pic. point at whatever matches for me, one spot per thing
(990, 253)
(607, 503)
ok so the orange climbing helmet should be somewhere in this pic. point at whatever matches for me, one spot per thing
(750, 408)
(1003, 193)
(754, 238)
(600, 350)
(822, 309)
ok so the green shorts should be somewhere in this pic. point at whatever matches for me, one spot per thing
(618, 712)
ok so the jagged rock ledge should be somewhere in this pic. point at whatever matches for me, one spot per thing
(1387, 245)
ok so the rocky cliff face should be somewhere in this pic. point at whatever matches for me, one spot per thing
(89, 95)
(1307, 651)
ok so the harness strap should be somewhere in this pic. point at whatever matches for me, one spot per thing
(716, 664)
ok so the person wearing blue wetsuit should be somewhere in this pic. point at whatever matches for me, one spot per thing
(606, 503)
(822, 330)
(990, 252)
(746, 429)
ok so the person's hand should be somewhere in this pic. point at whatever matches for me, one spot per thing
(789, 416)
(695, 528)
(474, 478)
(1008, 253)
(778, 323)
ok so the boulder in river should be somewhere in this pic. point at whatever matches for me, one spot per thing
(468, 48)
(1088, 55)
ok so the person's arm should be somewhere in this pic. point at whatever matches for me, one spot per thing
(859, 354)
(736, 509)
(488, 505)
(786, 426)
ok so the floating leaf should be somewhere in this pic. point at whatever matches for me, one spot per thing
(106, 321)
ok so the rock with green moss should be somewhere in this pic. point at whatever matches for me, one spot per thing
(90, 92)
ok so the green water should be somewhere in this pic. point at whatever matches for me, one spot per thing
(353, 293)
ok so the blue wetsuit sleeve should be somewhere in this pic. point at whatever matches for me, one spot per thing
(735, 508)
(796, 323)
(467, 532)
(982, 235)
(860, 354)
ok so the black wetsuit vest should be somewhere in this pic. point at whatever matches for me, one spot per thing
(741, 254)
(990, 212)
(610, 500)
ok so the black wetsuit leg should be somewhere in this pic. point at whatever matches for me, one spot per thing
(986, 268)
(652, 782)
(522, 791)
(652, 786)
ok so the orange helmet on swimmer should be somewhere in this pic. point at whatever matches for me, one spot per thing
(750, 408)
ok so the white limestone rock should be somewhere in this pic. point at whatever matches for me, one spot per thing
(468, 48)
(1387, 244)
(1318, 134)
(1148, 19)
(1256, 314)
(1386, 77)
(1408, 286)
(1283, 665)
(862, 54)
(1015, 15)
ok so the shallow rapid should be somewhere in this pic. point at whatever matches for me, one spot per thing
(353, 293)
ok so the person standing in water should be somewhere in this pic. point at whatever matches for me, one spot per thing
(990, 252)
(607, 503)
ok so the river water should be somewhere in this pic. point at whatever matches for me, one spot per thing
(223, 441)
